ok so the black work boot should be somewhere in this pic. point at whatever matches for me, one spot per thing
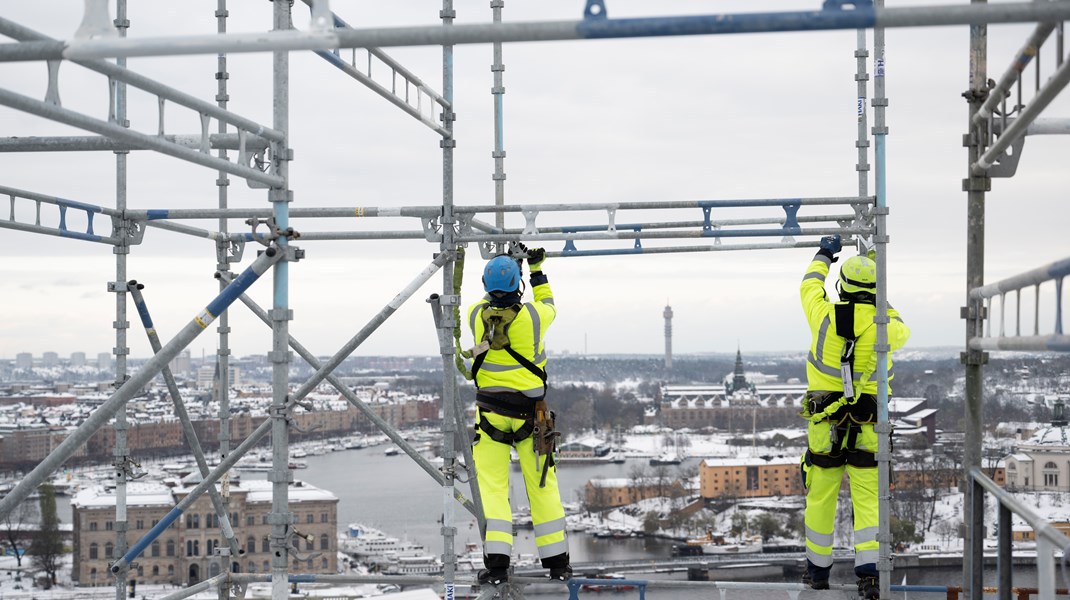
(492, 576)
(869, 588)
(821, 584)
(561, 573)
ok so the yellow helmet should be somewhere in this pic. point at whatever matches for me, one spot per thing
(858, 275)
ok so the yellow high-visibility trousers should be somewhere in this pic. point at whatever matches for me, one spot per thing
(492, 473)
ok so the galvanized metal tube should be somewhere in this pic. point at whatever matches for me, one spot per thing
(74, 119)
(100, 417)
(359, 404)
(114, 241)
(1043, 98)
(632, 235)
(119, 72)
(197, 588)
(1025, 55)
(1048, 272)
(91, 143)
(183, 416)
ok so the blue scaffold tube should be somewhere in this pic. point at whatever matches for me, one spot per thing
(860, 18)
(151, 536)
(230, 293)
(143, 312)
(157, 214)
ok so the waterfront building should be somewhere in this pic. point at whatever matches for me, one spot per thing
(749, 477)
(587, 447)
(188, 551)
(613, 492)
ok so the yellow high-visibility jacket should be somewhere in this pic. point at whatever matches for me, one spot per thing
(501, 372)
(826, 345)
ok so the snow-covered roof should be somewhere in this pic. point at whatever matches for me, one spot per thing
(589, 442)
(259, 490)
(750, 461)
(1050, 436)
(1022, 458)
(138, 493)
(903, 406)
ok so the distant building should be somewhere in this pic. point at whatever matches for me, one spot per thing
(181, 364)
(24, 360)
(49, 359)
(613, 492)
(77, 359)
(1043, 461)
(206, 376)
(104, 361)
(749, 477)
(734, 404)
(588, 447)
(185, 553)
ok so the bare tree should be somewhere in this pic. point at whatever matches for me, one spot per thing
(15, 531)
(47, 544)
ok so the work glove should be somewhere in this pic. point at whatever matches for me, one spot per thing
(536, 256)
(830, 245)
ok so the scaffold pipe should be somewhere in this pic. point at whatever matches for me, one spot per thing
(100, 417)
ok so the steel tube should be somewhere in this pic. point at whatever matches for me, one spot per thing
(197, 588)
(357, 403)
(655, 235)
(1035, 343)
(727, 203)
(87, 143)
(183, 417)
(100, 417)
(1050, 271)
(114, 241)
(1043, 98)
(74, 119)
(1010, 76)
(121, 73)
(713, 24)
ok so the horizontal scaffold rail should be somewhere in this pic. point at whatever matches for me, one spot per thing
(861, 15)
(115, 72)
(1057, 340)
(61, 229)
(92, 143)
(402, 101)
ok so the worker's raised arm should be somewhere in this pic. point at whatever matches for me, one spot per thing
(812, 289)
(540, 285)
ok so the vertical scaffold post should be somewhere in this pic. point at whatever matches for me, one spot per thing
(121, 452)
(281, 518)
(975, 187)
(450, 407)
(498, 90)
(882, 348)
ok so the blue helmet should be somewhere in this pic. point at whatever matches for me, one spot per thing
(501, 274)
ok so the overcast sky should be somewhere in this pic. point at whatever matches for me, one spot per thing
(654, 119)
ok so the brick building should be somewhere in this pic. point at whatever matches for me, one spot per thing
(749, 477)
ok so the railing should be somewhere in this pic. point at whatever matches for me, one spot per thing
(1055, 340)
(1049, 540)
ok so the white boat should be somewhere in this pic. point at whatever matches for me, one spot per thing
(423, 564)
(375, 546)
(667, 458)
(391, 451)
(745, 545)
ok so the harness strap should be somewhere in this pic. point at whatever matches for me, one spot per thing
(519, 358)
(505, 437)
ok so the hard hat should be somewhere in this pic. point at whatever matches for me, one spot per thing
(501, 274)
(858, 275)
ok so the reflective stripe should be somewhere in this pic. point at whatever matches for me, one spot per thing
(899, 319)
(825, 369)
(814, 275)
(500, 525)
(498, 548)
(819, 539)
(535, 392)
(472, 318)
(823, 258)
(553, 549)
(549, 527)
(866, 534)
(536, 330)
(502, 368)
(819, 560)
(822, 332)
(866, 557)
(549, 301)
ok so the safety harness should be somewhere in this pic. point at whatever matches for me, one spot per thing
(540, 424)
(843, 410)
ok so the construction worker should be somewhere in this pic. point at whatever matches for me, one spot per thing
(841, 411)
(509, 373)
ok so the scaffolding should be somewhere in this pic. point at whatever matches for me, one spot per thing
(264, 155)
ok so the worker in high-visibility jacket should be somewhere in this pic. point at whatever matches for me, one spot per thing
(510, 377)
(841, 417)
